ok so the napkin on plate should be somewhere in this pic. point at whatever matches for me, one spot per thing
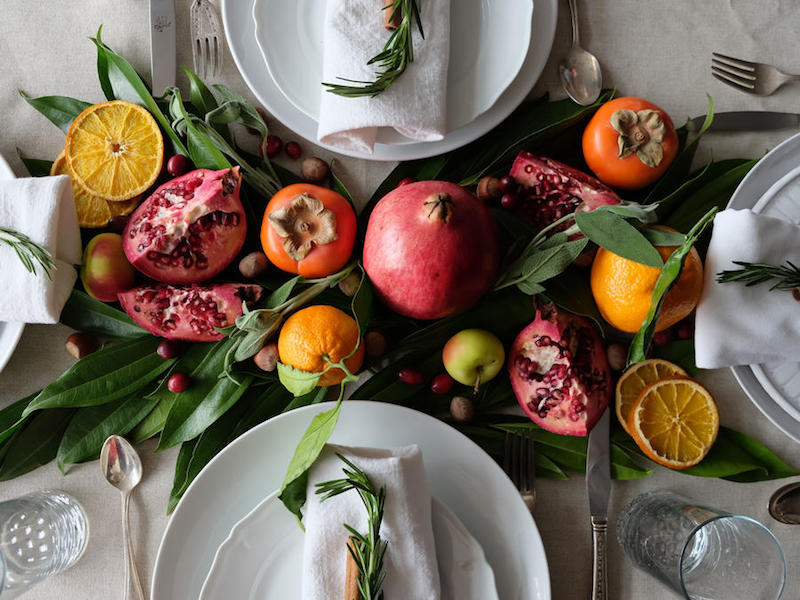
(43, 209)
(740, 325)
(414, 104)
(411, 569)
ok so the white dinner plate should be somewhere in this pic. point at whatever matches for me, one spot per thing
(477, 73)
(237, 16)
(263, 555)
(461, 475)
(774, 389)
(9, 332)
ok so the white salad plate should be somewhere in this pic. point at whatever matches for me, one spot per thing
(460, 473)
(9, 332)
(478, 72)
(772, 187)
(240, 31)
(263, 555)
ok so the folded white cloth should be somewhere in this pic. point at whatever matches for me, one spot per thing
(411, 569)
(740, 325)
(43, 209)
(415, 104)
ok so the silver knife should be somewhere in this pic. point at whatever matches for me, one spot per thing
(598, 489)
(749, 120)
(162, 44)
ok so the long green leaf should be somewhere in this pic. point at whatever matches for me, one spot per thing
(11, 418)
(59, 110)
(181, 473)
(201, 97)
(36, 444)
(203, 152)
(37, 167)
(84, 313)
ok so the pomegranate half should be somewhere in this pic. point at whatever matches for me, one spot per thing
(189, 229)
(559, 372)
(431, 249)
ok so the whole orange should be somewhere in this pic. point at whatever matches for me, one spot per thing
(622, 289)
(316, 332)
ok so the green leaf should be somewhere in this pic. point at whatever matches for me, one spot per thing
(59, 110)
(315, 396)
(282, 294)
(361, 306)
(203, 152)
(35, 444)
(297, 381)
(338, 186)
(181, 473)
(663, 237)
(37, 167)
(115, 371)
(11, 418)
(680, 352)
(84, 313)
(571, 291)
(616, 235)
(199, 95)
(544, 263)
(91, 426)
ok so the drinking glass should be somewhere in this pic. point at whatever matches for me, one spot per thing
(702, 553)
(41, 534)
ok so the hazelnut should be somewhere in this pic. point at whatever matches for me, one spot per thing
(349, 285)
(82, 344)
(488, 189)
(266, 359)
(796, 293)
(617, 356)
(375, 344)
(462, 409)
(314, 169)
(253, 265)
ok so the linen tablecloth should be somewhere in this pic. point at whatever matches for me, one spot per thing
(659, 50)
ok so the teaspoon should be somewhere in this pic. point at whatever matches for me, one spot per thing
(580, 71)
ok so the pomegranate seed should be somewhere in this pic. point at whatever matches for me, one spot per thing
(509, 201)
(169, 349)
(178, 383)
(293, 150)
(409, 376)
(508, 184)
(406, 181)
(442, 384)
(117, 224)
(684, 331)
(274, 146)
(177, 165)
(661, 338)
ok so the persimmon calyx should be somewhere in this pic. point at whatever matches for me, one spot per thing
(640, 133)
(304, 223)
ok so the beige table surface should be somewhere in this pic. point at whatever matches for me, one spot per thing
(660, 50)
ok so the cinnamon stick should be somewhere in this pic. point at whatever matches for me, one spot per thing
(351, 591)
(388, 12)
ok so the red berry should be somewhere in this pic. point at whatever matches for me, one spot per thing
(508, 184)
(169, 348)
(409, 376)
(178, 383)
(117, 224)
(177, 165)
(661, 338)
(406, 181)
(509, 201)
(274, 146)
(684, 331)
(293, 150)
(442, 384)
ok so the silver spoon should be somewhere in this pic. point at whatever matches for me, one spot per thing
(784, 506)
(580, 70)
(122, 468)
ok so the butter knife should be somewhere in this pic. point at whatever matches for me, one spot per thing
(598, 490)
(749, 120)
(162, 45)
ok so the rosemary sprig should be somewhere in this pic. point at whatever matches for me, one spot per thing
(29, 252)
(368, 550)
(397, 54)
(785, 277)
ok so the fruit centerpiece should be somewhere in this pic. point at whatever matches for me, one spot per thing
(229, 289)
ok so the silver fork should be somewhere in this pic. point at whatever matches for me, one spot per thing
(519, 463)
(207, 38)
(754, 78)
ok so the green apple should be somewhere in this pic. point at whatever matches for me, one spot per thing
(473, 356)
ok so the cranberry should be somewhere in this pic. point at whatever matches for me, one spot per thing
(274, 146)
(442, 384)
(409, 376)
(178, 383)
(661, 338)
(406, 181)
(178, 165)
(684, 331)
(169, 348)
(509, 201)
(293, 150)
(508, 184)
(117, 224)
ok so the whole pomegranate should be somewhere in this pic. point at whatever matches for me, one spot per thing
(192, 312)
(190, 229)
(431, 249)
(550, 190)
(559, 372)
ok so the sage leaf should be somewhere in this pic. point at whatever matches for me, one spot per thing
(616, 235)
(59, 110)
(663, 237)
(84, 313)
(297, 381)
(200, 95)
(530, 288)
(282, 294)
(35, 444)
(548, 262)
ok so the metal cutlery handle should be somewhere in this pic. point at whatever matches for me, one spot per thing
(599, 537)
(131, 572)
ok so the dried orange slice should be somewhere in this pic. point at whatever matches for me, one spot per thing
(114, 150)
(674, 422)
(634, 380)
(93, 211)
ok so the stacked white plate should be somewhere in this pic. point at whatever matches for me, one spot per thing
(9, 332)
(498, 49)
(773, 188)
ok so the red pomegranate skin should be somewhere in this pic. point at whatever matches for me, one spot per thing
(189, 229)
(431, 249)
(192, 313)
(559, 372)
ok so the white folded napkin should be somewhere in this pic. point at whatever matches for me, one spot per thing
(43, 209)
(411, 570)
(740, 325)
(415, 104)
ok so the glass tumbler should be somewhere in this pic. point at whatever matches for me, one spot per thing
(702, 553)
(41, 534)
